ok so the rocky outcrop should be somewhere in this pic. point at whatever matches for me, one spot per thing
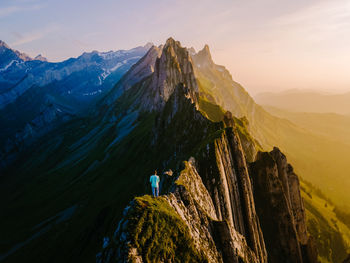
(217, 236)
(280, 209)
(212, 240)
(225, 174)
(174, 67)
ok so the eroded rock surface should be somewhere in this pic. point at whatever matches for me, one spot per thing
(280, 209)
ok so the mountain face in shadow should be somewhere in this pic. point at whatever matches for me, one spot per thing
(37, 96)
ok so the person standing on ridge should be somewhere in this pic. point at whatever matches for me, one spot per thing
(154, 179)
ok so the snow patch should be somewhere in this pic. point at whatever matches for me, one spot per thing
(111, 54)
(116, 66)
(92, 93)
(8, 65)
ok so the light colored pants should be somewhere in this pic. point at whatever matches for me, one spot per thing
(155, 191)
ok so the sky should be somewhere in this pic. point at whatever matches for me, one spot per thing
(267, 45)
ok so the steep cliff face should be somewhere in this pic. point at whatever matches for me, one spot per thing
(281, 210)
(225, 175)
(173, 67)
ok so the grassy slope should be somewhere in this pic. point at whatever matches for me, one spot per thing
(332, 235)
(158, 232)
(215, 113)
(42, 192)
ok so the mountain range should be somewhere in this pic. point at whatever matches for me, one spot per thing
(306, 101)
(233, 197)
(37, 96)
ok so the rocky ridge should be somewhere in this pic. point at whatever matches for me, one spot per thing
(214, 194)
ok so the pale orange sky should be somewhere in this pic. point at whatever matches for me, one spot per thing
(268, 45)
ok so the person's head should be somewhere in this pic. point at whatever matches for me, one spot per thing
(155, 172)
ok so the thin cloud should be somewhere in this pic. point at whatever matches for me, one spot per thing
(35, 35)
(10, 10)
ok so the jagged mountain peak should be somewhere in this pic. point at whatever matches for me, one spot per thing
(9, 57)
(206, 49)
(203, 57)
(12, 53)
(159, 73)
(192, 51)
(3, 44)
(40, 57)
(148, 45)
(173, 67)
(173, 48)
(171, 41)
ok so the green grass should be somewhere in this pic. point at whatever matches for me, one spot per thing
(158, 233)
(331, 234)
(212, 111)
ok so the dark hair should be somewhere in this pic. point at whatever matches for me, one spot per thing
(155, 171)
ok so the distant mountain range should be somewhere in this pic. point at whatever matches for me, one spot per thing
(310, 101)
(79, 79)
(334, 126)
(36, 96)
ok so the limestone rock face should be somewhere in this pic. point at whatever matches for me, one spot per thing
(225, 174)
(280, 209)
(217, 238)
(174, 67)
